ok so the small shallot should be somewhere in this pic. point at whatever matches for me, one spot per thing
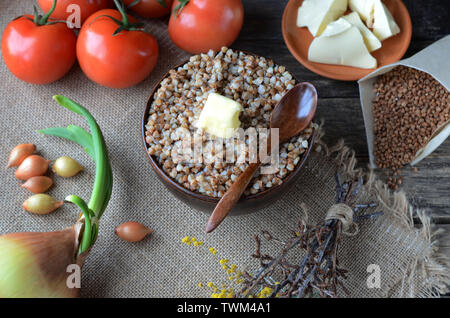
(49, 264)
(41, 204)
(132, 231)
(66, 167)
(19, 153)
(38, 184)
(32, 166)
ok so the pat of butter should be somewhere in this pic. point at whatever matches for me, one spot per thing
(370, 39)
(316, 14)
(220, 116)
(384, 25)
(344, 45)
(363, 7)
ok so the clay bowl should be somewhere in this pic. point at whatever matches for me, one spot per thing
(247, 204)
(298, 41)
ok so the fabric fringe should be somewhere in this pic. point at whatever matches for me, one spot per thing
(434, 266)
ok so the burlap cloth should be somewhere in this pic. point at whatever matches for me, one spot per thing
(162, 266)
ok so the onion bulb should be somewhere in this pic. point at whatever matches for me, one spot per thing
(36, 264)
(132, 231)
(40, 264)
(41, 204)
(19, 153)
(66, 167)
(38, 184)
(32, 166)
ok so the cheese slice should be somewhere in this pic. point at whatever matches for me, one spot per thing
(220, 116)
(384, 25)
(317, 14)
(370, 39)
(346, 47)
(363, 7)
(336, 27)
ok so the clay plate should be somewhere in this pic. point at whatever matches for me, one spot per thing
(392, 50)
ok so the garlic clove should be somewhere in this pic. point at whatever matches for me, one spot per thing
(32, 166)
(66, 167)
(19, 153)
(41, 204)
(36, 264)
(132, 231)
(38, 184)
(438, 137)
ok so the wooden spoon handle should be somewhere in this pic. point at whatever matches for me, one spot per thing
(231, 197)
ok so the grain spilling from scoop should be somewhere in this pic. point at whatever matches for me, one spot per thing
(408, 108)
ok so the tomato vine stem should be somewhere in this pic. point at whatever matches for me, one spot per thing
(125, 23)
(135, 2)
(40, 20)
(161, 2)
(179, 8)
(121, 7)
(44, 19)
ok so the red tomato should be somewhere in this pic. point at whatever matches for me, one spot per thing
(151, 8)
(38, 54)
(87, 7)
(117, 61)
(206, 24)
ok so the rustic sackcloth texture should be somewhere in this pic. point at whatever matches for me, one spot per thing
(161, 266)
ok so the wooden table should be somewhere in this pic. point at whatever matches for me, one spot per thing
(339, 104)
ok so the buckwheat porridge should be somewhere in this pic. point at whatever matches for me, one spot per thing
(254, 82)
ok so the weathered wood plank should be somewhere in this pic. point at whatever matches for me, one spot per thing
(429, 188)
(261, 33)
(444, 238)
(339, 102)
(444, 242)
(430, 19)
(263, 19)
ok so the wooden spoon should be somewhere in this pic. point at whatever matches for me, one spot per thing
(293, 113)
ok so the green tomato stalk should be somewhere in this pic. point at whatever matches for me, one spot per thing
(40, 20)
(135, 2)
(43, 20)
(36, 264)
(177, 10)
(125, 24)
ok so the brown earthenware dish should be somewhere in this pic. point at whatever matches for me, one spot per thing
(246, 204)
(298, 41)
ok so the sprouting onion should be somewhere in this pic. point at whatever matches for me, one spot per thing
(36, 264)
(95, 146)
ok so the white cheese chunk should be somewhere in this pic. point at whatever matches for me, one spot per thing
(384, 25)
(370, 39)
(363, 7)
(336, 27)
(342, 48)
(316, 14)
(220, 116)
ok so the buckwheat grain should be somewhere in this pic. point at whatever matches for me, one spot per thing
(255, 82)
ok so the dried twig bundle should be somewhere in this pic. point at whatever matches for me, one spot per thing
(318, 272)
